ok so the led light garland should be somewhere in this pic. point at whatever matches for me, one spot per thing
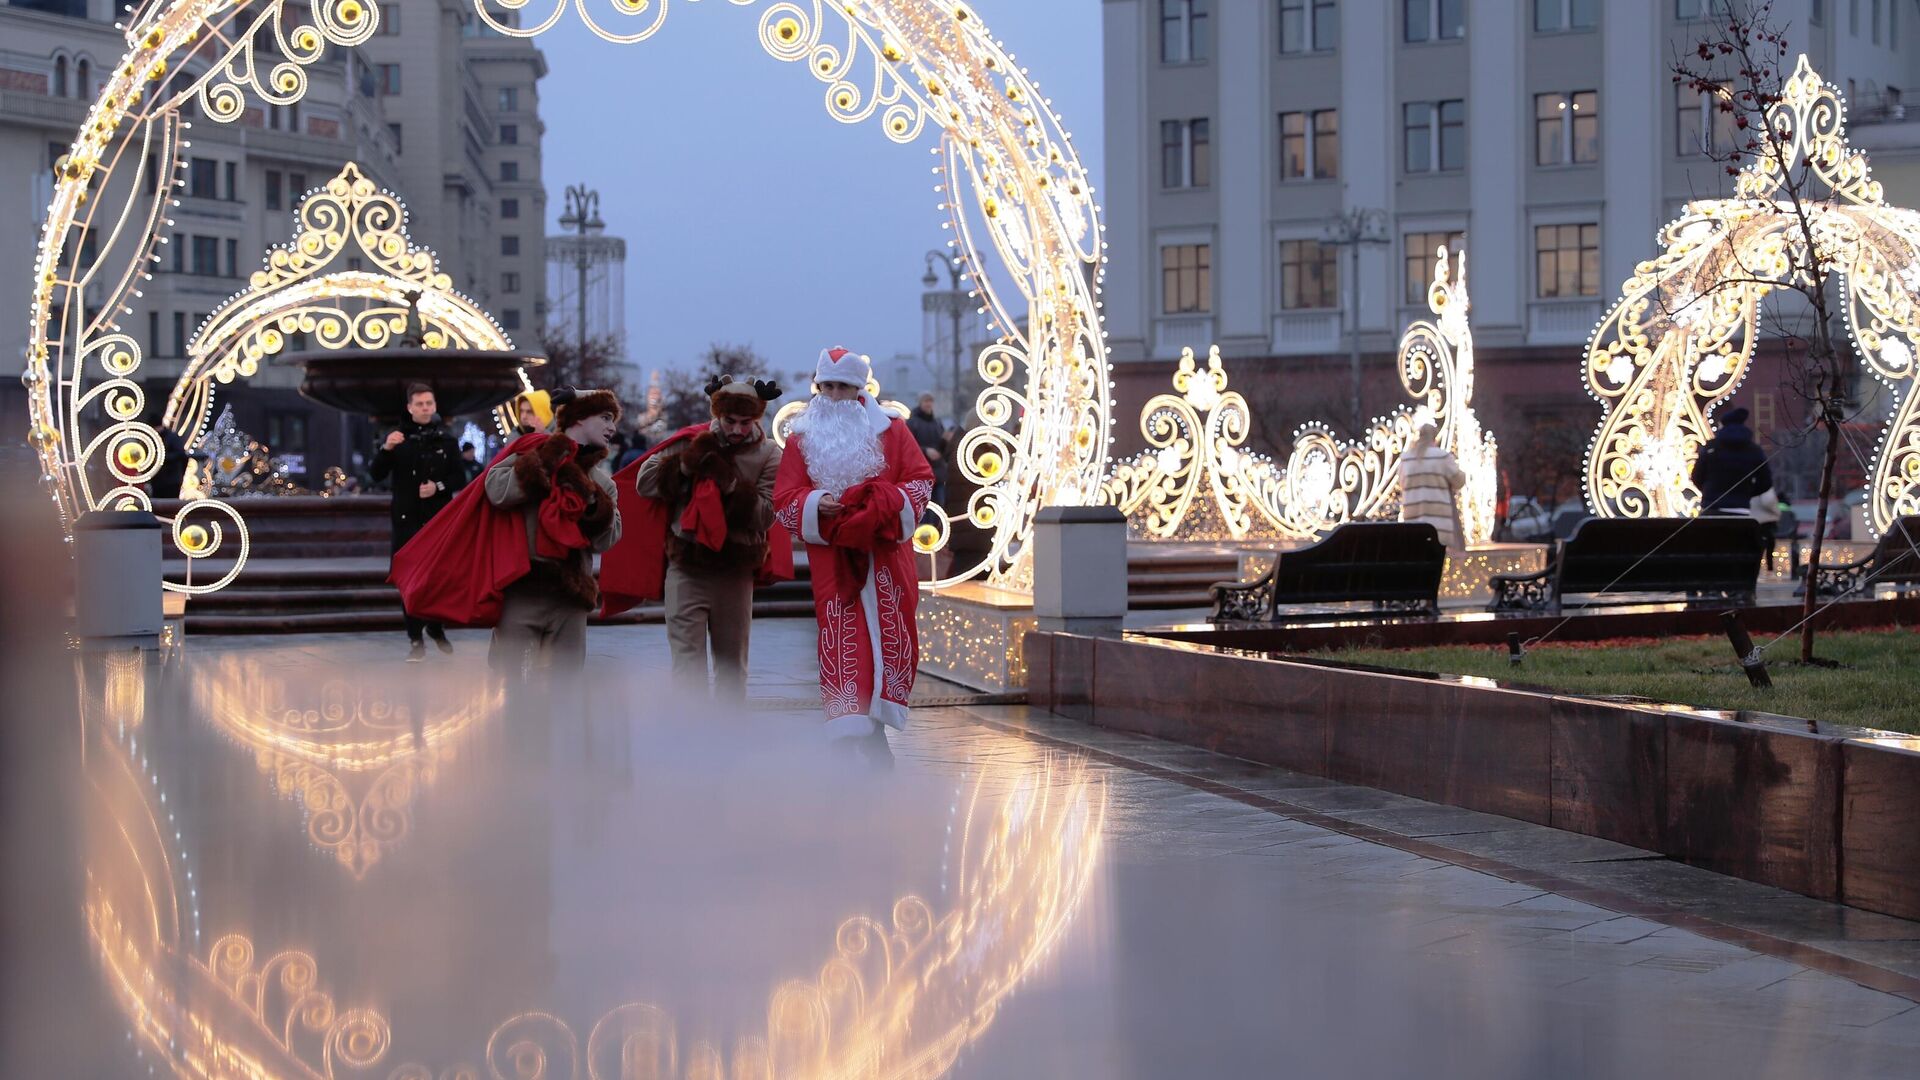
(1006, 174)
(1196, 436)
(1680, 340)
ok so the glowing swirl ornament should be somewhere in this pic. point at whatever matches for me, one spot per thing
(1680, 339)
(312, 285)
(1196, 440)
(1009, 181)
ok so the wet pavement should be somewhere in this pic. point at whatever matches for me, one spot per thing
(302, 857)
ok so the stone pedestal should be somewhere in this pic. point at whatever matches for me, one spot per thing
(1080, 567)
(117, 602)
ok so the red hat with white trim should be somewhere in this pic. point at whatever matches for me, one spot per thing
(838, 365)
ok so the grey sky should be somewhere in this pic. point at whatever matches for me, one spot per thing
(752, 216)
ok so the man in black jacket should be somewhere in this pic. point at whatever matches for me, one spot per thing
(1731, 468)
(424, 463)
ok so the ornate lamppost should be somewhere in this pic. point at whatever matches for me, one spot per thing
(952, 300)
(1351, 229)
(582, 216)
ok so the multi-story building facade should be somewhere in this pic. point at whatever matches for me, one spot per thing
(1549, 134)
(244, 179)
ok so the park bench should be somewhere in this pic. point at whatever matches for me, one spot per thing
(1704, 557)
(1394, 565)
(1895, 560)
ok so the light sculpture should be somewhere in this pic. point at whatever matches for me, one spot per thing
(1680, 339)
(308, 286)
(1007, 177)
(1196, 481)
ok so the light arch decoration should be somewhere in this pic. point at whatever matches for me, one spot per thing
(1196, 481)
(1679, 341)
(310, 285)
(1017, 200)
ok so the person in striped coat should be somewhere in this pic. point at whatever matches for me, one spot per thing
(1430, 482)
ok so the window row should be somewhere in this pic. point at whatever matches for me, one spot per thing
(73, 78)
(1566, 267)
(295, 186)
(1310, 26)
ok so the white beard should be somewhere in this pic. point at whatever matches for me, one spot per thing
(839, 444)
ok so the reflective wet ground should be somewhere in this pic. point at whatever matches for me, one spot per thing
(302, 857)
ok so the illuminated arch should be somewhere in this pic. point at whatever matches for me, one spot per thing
(1007, 178)
(1680, 339)
(300, 290)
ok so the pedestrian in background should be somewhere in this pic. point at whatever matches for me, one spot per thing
(422, 462)
(1430, 483)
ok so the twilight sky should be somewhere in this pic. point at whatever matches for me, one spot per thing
(752, 216)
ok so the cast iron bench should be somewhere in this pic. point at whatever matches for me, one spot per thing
(1701, 557)
(1895, 560)
(1395, 565)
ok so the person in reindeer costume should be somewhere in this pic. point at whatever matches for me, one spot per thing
(853, 484)
(515, 551)
(700, 533)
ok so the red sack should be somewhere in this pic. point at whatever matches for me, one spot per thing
(870, 515)
(634, 570)
(455, 568)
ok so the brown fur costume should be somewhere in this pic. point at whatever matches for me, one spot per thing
(705, 457)
(539, 473)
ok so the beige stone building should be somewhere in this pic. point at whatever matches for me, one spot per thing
(1549, 133)
(438, 112)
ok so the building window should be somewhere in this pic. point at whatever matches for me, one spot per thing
(1419, 254)
(179, 333)
(153, 334)
(509, 282)
(83, 79)
(203, 176)
(509, 99)
(233, 258)
(509, 134)
(509, 245)
(389, 20)
(1433, 20)
(231, 174)
(1318, 157)
(179, 256)
(387, 78)
(1309, 275)
(1818, 16)
(1566, 128)
(206, 255)
(1695, 9)
(1873, 23)
(510, 319)
(1186, 278)
(296, 188)
(1434, 134)
(1703, 121)
(1567, 258)
(1183, 31)
(509, 208)
(1553, 15)
(1186, 159)
(509, 170)
(399, 143)
(284, 117)
(1309, 26)
(59, 76)
(287, 432)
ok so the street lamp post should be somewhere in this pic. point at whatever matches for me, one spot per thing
(954, 301)
(582, 216)
(1350, 230)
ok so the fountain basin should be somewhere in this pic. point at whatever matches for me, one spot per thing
(373, 382)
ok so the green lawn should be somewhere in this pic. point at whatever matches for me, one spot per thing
(1877, 686)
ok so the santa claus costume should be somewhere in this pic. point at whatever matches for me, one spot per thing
(853, 484)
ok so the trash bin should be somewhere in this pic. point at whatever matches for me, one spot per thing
(117, 579)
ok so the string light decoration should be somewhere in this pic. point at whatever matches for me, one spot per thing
(338, 224)
(1005, 174)
(898, 996)
(1196, 441)
(1680, 339)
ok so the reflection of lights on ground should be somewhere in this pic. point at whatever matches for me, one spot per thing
(899, 996)
(352, 758)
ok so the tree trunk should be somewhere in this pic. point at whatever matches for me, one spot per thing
(1829, 418)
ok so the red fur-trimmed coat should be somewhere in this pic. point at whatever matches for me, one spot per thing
(864, 595)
